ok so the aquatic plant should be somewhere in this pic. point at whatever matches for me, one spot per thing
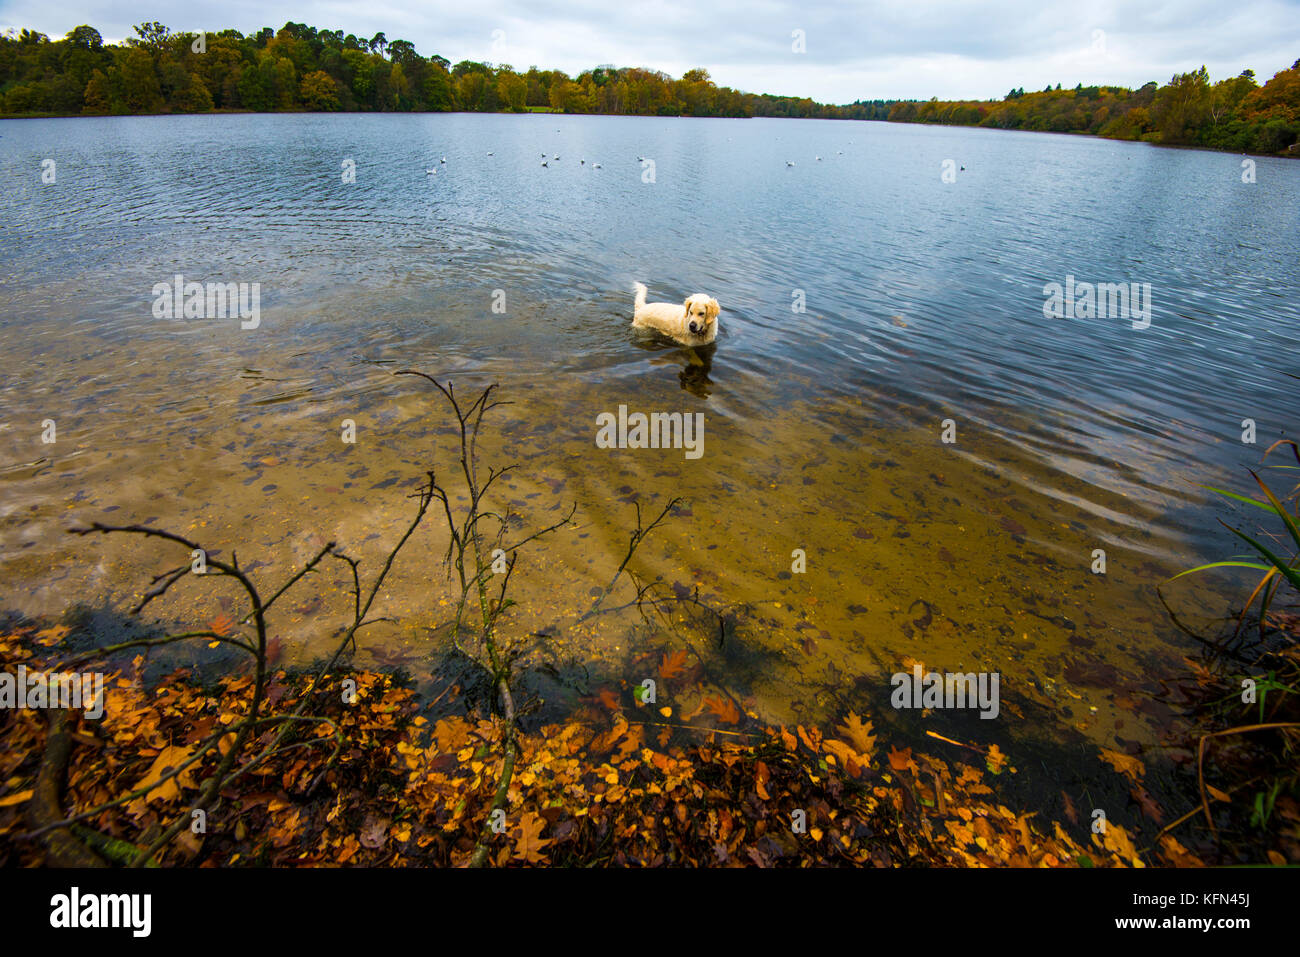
(1272, 692)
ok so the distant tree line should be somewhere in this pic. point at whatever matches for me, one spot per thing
(300, 68)
(1235, 114)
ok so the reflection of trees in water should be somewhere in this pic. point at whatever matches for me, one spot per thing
(696, 363)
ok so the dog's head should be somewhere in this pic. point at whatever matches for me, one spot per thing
(702, 315)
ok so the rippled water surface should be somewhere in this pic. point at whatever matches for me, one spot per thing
(924, 303)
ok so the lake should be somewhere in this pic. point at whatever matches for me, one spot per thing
(887, 394)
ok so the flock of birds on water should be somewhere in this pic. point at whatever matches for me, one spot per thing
(433, 171)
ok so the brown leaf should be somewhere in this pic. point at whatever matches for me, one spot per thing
(528, 840)
(724, 708)
(673, 665)
(859, 735)
(374, 832)
(1149, 807)
(1070, 811)
(608, 698)
(223, 624)
(810, 737)
(900, 760)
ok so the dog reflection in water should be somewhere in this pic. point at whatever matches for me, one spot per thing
(694, 364)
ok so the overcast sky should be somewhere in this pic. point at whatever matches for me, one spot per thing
(867, 50)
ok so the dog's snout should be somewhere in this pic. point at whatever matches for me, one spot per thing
(695, 327)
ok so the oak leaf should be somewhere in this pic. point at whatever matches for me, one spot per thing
(900, 760)
(724, 708)
(529, 842)
(673, 665)
(859, 735)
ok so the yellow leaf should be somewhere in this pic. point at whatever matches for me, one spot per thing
(168, 758)
(1125, 764)
(18, 797)
(858, 734)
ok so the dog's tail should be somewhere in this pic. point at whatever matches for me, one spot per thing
(640, 294)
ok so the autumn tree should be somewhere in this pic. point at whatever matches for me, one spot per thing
(319, 91)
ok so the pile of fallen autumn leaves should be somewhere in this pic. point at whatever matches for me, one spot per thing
(615, 785)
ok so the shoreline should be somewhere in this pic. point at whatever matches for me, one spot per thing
(1292, 152)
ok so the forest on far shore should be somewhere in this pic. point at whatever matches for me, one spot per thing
(301, 68)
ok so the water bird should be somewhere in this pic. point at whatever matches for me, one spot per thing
(557, 157)
(788, 163)
(431, 172)
(490, 153)
(544, 163)
(444, 159)
(819, 159)
(582, 162)
(595, 166)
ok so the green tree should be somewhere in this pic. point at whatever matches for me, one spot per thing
(140, 87)
(1182, 107)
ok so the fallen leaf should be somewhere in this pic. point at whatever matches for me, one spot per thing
(18, 797)
(900, 760)
(673, 665)
(858, 734)
(1125, 764)
(1148, 804)
(724, 708)
(528, 840)
(374, 832)
(168, 758)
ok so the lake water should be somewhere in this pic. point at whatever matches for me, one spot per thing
(923, 302)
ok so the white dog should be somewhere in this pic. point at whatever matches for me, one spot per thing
(692, 323)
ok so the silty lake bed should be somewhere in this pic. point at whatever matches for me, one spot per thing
(923, 303)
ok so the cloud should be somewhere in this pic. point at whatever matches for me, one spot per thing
(901, 48)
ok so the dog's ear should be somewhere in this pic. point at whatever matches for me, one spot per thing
(712, 309)
(686, 304)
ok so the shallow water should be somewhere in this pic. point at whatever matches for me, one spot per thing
(823, 428)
